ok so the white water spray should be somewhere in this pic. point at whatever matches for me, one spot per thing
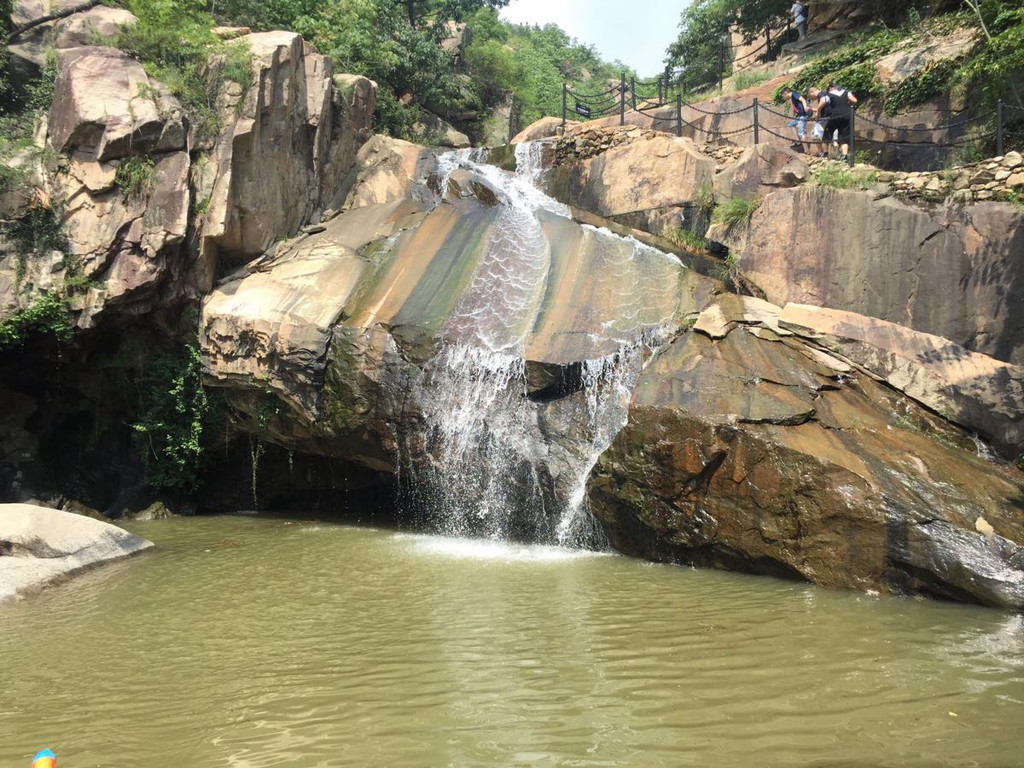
(495, 463)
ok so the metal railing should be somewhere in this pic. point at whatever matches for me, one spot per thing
(655, 98)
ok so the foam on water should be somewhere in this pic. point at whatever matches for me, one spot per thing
(490, 550)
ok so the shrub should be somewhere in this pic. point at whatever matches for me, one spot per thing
(746, 80)
(174, 42)
(48, 314)
(841, 177)
(704, 197)
(172, 418)
(134, 176)
(37, 230)
(686, 239)
(738, 210)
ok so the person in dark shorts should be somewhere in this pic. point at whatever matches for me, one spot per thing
(822, 112)
(800, 115)
(841, 101)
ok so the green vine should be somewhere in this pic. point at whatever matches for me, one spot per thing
(49, 313)
(266, 408)
(173, 419)
(922, 85)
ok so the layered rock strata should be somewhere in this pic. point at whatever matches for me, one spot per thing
(755, 450)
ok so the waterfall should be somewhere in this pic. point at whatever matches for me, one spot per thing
(488, 459)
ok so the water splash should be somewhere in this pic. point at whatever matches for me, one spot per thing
(487, 460)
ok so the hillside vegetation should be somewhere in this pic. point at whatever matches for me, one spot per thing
(397, 43)
(978, 78)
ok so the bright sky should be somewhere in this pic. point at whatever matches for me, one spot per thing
(636, 32)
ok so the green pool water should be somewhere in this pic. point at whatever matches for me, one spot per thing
(249, 641)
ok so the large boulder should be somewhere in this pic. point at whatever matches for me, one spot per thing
(544, 128)
(340, 325)
(749, 451)
(765, 165)
(654, 185)
(976, 391)
(39, 546)
(106, 107)
(386, 170)
(952, 271)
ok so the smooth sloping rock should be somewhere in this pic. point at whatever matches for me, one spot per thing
(40, 545)
(952, 271)
(333, 323)
(738, 455)
(976, 391)
(544, 128)
(106, 107)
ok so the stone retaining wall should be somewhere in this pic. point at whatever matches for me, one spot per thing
(998, 178)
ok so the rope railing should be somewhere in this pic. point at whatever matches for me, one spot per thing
(627, 99)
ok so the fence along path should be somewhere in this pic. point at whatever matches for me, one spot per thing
(656, 98)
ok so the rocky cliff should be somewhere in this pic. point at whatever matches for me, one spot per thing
(379, 315)
(144, 209)
(793, 441)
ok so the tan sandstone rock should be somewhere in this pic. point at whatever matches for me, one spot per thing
(974, 390)
(44, 545)
(106, 107)
(951, 271)
(649, 185)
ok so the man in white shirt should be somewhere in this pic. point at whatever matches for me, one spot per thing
(799, 11)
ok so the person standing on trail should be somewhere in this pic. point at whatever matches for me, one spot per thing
(822, 111)
(800, 114)
(799, 11)
(842, 102)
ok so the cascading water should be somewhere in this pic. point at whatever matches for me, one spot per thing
(492, 461)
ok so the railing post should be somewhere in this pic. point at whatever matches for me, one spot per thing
(999, 127)
(853, 118)
(661, 92)
(622, 99)
(565, 96)
(757, 134)
(721, 63)
(768, 44)
(512, 116)
(632, 90)
(679, 114)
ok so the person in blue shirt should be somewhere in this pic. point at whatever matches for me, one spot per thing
(800, 114)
